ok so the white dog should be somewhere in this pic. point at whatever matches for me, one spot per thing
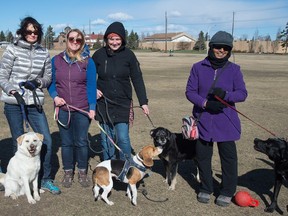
(23, 168)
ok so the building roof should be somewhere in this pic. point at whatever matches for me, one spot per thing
(170, 36)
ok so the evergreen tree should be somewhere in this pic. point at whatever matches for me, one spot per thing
(200, 43)
(97, 45)
(284, 38)
(2, 36)
(9, 37)
(132, 40)
(48, 38)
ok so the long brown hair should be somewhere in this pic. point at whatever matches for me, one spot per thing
(76, 55)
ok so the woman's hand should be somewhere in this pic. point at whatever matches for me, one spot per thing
(91, 114)
(145, 109)
(59, 101)
(99, 94)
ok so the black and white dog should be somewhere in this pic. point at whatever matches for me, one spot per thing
(175, 150)
(277, 151)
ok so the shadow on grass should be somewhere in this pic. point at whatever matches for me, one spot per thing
(261, 182)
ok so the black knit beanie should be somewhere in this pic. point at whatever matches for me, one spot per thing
(222, 38)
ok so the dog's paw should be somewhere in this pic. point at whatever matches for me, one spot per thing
(110, 203)
(171, 187)
(31, 201)
(269, 209)
(41, 191)
(13, 196)
(37, 197)
(134, 202)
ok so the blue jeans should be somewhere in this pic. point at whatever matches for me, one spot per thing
(74, 136)
(120, 134)
(39, 124)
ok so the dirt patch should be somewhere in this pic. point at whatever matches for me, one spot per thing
(266, 77)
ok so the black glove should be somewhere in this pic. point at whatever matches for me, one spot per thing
(215, 106)
(218, 92)
(19, 98)
(32, 84)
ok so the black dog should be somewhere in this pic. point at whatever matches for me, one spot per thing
(277, 151)
(175, 150)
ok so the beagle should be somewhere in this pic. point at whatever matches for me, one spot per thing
(129, 171)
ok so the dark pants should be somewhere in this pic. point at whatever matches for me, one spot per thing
(229, 166)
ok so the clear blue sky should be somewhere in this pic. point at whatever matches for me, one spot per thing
(148, 16)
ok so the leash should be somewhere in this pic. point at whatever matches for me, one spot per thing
(228, 105)
(84, 111)
(145, 194)
(113, 102)
(22, 107)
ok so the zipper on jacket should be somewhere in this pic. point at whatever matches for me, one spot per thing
(105, 66)
(70, 92)
(215, 74)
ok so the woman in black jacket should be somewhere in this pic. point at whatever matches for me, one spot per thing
(117, 66)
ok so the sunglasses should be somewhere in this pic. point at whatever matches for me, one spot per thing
(224, 47)
(29, 32)
(72, 39)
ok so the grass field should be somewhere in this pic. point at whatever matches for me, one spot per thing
(266, 78)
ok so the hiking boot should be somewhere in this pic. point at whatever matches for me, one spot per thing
(49, 186)
(223, 201)
(67, 178)
(203, 197)
(83, 178)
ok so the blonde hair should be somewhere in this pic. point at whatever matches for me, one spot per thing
(76, 55)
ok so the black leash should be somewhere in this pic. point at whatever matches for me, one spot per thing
(113, 102)
(145, 194)
(22, 107)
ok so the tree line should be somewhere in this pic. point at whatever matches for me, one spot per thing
(133, 39)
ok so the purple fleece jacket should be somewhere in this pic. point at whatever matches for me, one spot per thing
(224, 126)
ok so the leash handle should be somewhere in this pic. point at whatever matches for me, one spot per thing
(22, 107)
(228, 105)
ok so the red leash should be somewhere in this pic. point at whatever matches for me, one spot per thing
(228, 105)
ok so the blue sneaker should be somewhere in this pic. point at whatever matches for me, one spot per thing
(49, 186)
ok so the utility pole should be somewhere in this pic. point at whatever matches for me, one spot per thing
(233, 23)
(165, 31)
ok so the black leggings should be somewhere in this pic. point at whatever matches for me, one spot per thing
(229, 166)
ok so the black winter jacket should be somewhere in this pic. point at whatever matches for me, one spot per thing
(116, 71)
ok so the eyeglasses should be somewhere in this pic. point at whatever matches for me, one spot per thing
(78, 40)
(29, 32)
(224, 47)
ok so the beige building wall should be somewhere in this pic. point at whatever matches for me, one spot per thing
(239, 46)
(161, 45)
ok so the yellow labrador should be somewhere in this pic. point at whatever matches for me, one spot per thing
(23, 168)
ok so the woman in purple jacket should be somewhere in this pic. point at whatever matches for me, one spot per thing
(218, 123)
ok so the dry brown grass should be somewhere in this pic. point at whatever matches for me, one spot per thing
(266, 78)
